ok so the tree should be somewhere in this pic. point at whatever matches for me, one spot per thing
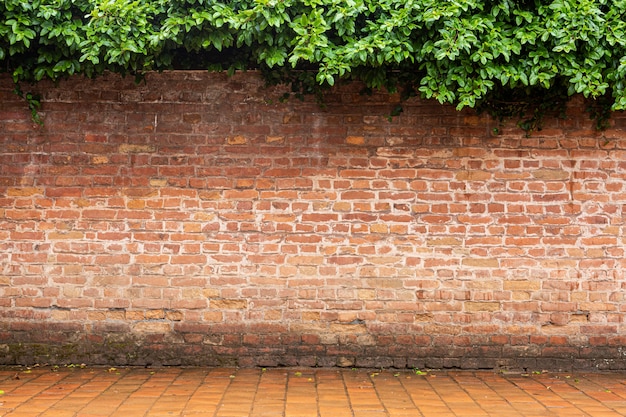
(500, 55)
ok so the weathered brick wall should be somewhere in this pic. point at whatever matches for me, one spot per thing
(197, 219)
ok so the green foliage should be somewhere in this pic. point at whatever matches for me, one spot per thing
(505, 56)
(33, 101)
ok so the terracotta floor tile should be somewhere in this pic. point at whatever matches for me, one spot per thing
(230, 392)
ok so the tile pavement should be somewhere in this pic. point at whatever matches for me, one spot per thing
(226, 392)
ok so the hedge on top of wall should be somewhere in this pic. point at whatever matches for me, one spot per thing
(510, 57)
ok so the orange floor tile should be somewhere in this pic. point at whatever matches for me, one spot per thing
(225, 392)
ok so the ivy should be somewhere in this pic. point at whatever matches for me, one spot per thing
(33, 101)
(509, 57)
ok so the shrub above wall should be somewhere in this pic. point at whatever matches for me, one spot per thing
(511, 58)
(196, 219)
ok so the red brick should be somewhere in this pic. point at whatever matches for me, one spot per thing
(357, 195)
(120, 259)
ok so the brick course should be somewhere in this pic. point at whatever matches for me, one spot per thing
(197, 219)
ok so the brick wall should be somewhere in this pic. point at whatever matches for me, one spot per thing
(197, 219)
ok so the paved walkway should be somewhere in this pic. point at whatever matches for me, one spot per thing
(85, 392)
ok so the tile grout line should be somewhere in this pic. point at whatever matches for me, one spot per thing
(583, 392)
(220, 403)
(208, 381)
(380, 398)
(529, 394)
(406, 389)
(258, 378)
(112, 385)
(346, 391)
(172, 382)
(22, 384)
(139, 387)
(77, 389)
(317, 394)
(497, 392)
(484, 385)
(233, 381)
(434, 390)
